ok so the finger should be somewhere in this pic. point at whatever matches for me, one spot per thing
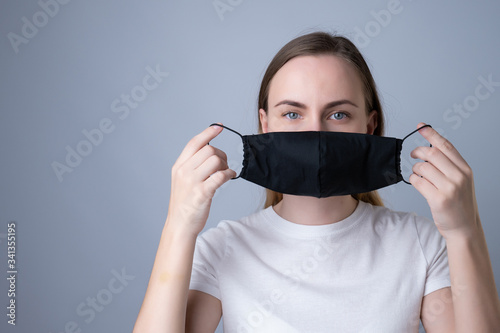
(217, 179)
(430, 173)
(445, 146)
(197, 142)
(422, 185)
(202, 155)
(438, 159)
(210, 166)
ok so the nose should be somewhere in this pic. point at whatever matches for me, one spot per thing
(316, 124)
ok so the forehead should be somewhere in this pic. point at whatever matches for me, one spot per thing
(320, 76)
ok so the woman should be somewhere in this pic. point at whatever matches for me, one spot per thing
(307, 264)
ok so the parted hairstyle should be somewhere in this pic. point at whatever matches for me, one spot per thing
(323, 43)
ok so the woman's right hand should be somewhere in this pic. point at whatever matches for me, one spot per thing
(198, 172)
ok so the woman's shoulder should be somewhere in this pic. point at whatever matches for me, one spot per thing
(231, 228)
(408, 224)
(390, 218)
(385, 212)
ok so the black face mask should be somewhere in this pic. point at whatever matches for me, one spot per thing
(321, 164)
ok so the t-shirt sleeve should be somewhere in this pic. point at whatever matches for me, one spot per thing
(208, 254)
(433, 247)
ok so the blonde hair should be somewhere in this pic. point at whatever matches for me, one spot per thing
(319, 43)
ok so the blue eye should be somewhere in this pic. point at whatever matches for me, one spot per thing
(339, 115)
(292, 115)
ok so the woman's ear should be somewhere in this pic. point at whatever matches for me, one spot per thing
(263, 120)
(372, 123)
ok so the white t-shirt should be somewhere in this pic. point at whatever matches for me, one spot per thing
(366, 273)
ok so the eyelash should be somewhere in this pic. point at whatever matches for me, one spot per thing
(288, 113)
(346, 115)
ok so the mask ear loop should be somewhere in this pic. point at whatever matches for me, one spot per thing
(415, 131)
(232, 130)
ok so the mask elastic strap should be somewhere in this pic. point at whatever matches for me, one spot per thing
(406, 137)
(232, 130)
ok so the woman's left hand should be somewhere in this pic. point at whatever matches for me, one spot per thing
(446, 181)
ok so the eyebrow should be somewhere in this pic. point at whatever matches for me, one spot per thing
(302, 106)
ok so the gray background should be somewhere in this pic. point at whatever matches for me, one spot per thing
(107, 214)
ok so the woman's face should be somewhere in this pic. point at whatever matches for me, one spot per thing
(317, 93)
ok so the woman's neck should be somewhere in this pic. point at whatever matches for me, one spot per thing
(315, 211)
